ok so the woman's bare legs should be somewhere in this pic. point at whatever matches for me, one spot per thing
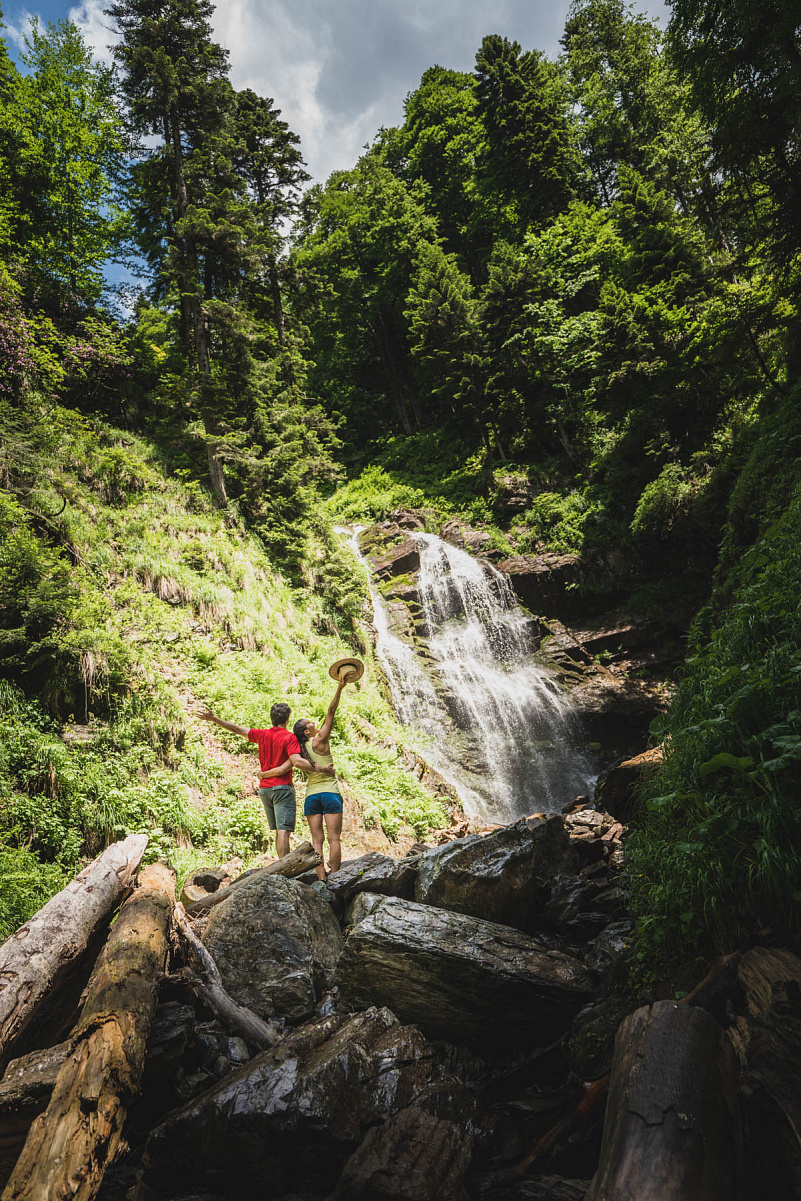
(315, 821)
(333, 826)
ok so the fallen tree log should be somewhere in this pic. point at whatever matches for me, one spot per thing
(672, 1129)
(35, 959)
(25, 1091)
(207, 982)
(295, 863)
(70, 1145)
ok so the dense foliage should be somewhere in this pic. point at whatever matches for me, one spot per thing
(574, 279)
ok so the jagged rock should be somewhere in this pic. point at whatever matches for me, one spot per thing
(500, 876)
(24, 1093)
(592, 1037)
(412, 1157)
(276, 944)
(545, 583)
(372, 873)
(407, 519)
(400, 559)
(512, 492)
(617, 789)
(170, 1035)
(609, 947)
(361, 907)
(288, 1120)
(461, 978)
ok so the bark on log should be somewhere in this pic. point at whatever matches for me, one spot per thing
(208, 982)
(672, 1130)
(71, 1144)
(38, 956)
(25, 1091)
(294, 864)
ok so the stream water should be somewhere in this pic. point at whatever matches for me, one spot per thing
(492, 717)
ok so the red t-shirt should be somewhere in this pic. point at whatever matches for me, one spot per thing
(275, 745)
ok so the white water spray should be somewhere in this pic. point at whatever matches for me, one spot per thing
(495, 721)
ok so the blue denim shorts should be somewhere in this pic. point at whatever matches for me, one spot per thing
(279, 805)
(322, 802)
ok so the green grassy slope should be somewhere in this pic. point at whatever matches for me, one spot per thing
(122, 612)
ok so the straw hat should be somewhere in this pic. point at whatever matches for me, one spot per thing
(344, 667)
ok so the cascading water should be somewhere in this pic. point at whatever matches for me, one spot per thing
(496, 723)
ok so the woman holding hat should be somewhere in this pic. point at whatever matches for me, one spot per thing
(323, 801)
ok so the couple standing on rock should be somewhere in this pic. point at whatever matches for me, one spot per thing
(306, 747)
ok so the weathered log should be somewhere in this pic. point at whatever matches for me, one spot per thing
(294, 864)
(35, 960)
(71, 1144)
(208, 982)
(672, 1129)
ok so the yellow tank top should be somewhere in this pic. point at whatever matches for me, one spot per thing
(317, 781)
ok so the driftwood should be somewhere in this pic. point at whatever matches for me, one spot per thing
(35, 960)
(70, 1145)
(207, 982)
(672, 1130)
(295, 863)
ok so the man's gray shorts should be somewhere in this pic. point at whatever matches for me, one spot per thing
(279, 805)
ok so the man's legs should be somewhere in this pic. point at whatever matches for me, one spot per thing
(282, 842)
(283, 822)
(315, 821)
(333, 826)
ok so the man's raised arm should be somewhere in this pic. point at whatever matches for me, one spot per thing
(207, 715)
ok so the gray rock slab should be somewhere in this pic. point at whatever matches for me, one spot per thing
(373, 872)
(499, 876)
(361, 907)
(276, 944)
(461, 978)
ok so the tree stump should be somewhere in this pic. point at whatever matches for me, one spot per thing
(35, 960)
(71, 1144)
(672, 1129)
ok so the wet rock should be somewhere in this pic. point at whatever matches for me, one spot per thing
(500, 876)
(276, 944)
(609, 948)
(412, 1157)
(372, 873)
(461, 978)
(592, 1037)
(547, 1188)
(545, 583)
(25, 1092)
(288, 1121)
(361, 907)
(616, 712)
(170, 1035)
(617, 789)
(407, 519)
(512, 492)
(396, 560)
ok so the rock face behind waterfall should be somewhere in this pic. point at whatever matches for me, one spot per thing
(461, 978)
(276, 943)
(500, 877)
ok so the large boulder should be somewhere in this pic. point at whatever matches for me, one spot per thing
(499, 876)
(289, 1120)
(412, 1157)
(618, 788)
(372, 873)
(276, 943)
(461, 978)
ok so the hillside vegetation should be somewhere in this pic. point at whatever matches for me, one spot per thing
(119, 615)
(560, 299)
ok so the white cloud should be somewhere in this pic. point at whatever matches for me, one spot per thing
(95, 26)
(17, 28)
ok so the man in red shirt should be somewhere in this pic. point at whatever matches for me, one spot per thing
(278, 750)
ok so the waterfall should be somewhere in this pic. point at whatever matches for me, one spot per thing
(492, 717)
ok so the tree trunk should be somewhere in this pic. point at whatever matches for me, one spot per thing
(208, 983)
(672, 1129)
(71, 1144)
(35, 960)
(301, 860)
